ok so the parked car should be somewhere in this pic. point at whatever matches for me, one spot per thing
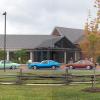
(44, 64)
(9, 64)
(80, 64)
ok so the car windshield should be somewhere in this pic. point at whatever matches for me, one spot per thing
(6, 61)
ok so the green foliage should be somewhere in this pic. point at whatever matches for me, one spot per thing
(20, 53)
(1, 54)
(21, 56)
(24, 92)
(93, 38)
(92, 30)
(98, 59)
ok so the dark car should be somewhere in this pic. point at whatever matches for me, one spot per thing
(80, 64)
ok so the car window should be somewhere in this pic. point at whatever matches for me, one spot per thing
(44, 62)
(83, 62)
(78, 62)
(2, 61)
(8, 61)
(50, 61)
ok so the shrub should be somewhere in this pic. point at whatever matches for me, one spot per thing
(98, 59)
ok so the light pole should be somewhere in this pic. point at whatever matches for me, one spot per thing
(5, 13)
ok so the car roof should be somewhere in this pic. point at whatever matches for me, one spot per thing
(49, 60)
(85, 61)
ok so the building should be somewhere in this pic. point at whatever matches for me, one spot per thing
(61, 45)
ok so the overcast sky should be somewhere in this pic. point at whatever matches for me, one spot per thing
(41, 16)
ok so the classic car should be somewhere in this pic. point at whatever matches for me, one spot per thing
(9, 64)
(44, 64)
(86, 64)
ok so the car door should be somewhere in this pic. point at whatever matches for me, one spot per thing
(8, 64)
(1, 64)
(44, 64)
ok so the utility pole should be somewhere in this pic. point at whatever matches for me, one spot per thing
(5, 13)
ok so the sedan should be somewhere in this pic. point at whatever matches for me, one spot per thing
(80, 64)
(44, 64)
(9, 64)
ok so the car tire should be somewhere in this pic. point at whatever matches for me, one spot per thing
(53, 67)
(88, 67)
(71, 67)
(13, 67)
(34, 67)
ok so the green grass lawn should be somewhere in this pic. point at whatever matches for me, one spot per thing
(22, 92)
(65, 92)
(59, 72)
(49, 72)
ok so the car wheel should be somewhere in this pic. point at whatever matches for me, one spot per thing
(34, 67)
(70, 67)
(88, 67)
(53, 67)
(13, 67)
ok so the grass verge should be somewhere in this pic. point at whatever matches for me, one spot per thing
(23, 92)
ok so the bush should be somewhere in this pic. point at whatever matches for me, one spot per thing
(98, 59)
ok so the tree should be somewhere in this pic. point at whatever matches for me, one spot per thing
(21, 56)
(1, 54)
(92, 34)
(93, 41)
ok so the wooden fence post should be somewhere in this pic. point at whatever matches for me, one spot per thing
(66, 76)
(19, 77)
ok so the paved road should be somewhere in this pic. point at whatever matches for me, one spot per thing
(25, 69)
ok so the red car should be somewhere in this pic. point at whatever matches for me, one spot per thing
(80, 64)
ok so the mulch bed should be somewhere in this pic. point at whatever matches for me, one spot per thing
(92, 90)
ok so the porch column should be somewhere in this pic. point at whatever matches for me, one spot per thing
(76, 55)
(48, 55)
(65, 57)
(31, 55)
(41, 55)
(7, 55)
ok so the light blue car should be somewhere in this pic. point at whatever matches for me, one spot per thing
(44, 64)
(9, 64)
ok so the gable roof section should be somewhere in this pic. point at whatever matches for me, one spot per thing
(65, 43)
(74, 35)
(23, 41)
(50, 42)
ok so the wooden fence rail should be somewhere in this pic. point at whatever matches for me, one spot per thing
(56, 79)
